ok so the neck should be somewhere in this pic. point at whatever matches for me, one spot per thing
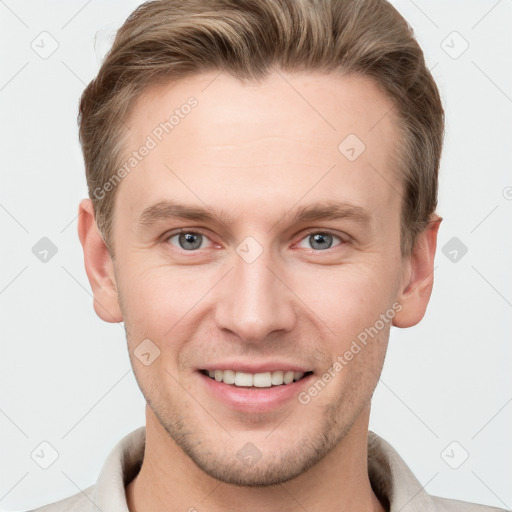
(168, 479)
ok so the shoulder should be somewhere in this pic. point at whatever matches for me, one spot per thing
(393, 482)
(79, 502)
(449, 505)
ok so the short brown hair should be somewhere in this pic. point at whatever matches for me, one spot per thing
(171, 39)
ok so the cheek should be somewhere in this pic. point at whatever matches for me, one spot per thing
(157, 299)
(350, 297)
(351, 305)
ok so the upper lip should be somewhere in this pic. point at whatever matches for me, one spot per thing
(253, 367)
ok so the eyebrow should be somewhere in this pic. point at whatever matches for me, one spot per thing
(324, 210)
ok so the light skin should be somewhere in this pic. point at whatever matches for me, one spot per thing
(257, 152)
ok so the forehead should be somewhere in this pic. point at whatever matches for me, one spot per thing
(214, 137)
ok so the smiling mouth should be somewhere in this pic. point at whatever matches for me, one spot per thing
(255, 380)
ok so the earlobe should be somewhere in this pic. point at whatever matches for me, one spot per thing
(416, 292)
(98, 265)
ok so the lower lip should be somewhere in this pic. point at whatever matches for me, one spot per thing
(254, 399)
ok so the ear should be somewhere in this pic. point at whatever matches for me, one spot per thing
(98, 265)
(418, 277)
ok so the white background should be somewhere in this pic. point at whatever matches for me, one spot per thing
(65, 375)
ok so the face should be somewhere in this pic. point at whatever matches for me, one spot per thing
(252, 247)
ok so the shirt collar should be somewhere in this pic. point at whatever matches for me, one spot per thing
(392, 480)
(390, 477)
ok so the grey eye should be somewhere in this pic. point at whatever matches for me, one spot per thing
(188, 241)
(319, 241)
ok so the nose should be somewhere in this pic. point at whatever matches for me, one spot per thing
(254, 300)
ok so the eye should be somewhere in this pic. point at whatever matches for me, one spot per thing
(192, 241)
(319, 240)
(188, 240)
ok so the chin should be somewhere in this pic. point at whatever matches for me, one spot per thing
(263, 470)
(261, 462)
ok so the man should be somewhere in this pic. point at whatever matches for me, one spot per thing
(263, 183)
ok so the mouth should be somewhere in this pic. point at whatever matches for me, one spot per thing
(256, 380)
(255, 389)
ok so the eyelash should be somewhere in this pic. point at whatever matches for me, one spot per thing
(343, 241)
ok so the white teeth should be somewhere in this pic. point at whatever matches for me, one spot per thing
(262, 380)
(258, 380)
(277, 378)
(242, 379)
(288, 377)
(229, 377)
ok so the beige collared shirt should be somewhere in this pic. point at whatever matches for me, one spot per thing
(391, 479)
